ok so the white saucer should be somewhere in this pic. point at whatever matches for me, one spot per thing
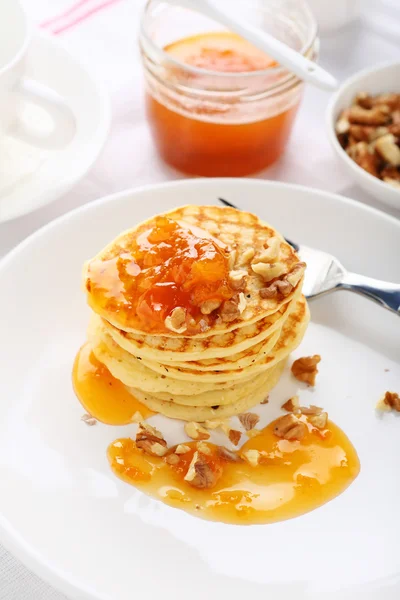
(31, 178)
(70, 520)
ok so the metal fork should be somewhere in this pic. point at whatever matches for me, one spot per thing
(326, 274)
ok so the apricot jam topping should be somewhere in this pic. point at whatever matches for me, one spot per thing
(168, 266)
(102, 396)
(291, 478)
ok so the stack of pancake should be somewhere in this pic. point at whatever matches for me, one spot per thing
(233, 364)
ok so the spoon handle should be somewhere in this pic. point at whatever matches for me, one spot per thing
(291, 59)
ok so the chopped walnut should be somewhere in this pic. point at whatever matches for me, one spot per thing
(284, 287)
(200, 474)
(229, 311)
(196, 431)
(387, 148)
(276, 289)
(214, 424)
(182, 449)
(319, 421)
(289, 427)
(89, 420)
(389, 401)
(232, 258)
(296, 273)
(242, 303)
(246, 256)
(177, 320)
(343, 123)
(137, 417)
(292, 404)
(271, 254)
(150, 440)
(237, 279)
(252, 457)
(265, 401)
(204, 448)
(252, 433)
(228, 455)
(379, 115)
(234, 436)
(305, 369)
(172, 459)
(208, 306)
(268, 271)
(249, 420)
(310, 410)
(365, 158)
(372, 138)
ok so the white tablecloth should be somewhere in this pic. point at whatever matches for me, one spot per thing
(106, 43)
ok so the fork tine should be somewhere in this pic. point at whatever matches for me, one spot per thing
(295, 246)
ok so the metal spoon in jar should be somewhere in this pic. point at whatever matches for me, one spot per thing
(291, 59)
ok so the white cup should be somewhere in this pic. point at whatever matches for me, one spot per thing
(15, 88)
(334, 14)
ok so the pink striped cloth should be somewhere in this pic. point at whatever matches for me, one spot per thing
(75, 14)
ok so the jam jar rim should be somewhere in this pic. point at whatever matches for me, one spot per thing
(163, 57)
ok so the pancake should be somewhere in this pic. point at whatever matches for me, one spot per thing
(185, 381)
(207, 413)
(225, 352)
(167, 349)
(237, 232)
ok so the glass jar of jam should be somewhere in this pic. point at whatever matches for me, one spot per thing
(216, 105)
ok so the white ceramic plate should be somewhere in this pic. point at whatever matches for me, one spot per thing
(70, 520)
(30, 177)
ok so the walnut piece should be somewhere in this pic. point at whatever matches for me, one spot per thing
(343, 123)
(249, 420)
(291, 405)
(389, 401)
(310, 410)
(216, 423)
(200, 474)
(137, 417)
(305, 369)
(208, 306)
(150, 440)
(246, 256)
(89, 420)
(252, 433)
(204, 448)
(229, 311)
(387, 148)
(182, 449)
(289, 427)
(271, 253)
(234, 436)
(265, 401)
(365, 158)
(228, 455)
(172, 459)
(242, 303)
(283, 287)
(379, 115)
(196, 431)
(268, 271)
(319, 421)
(177, 320)
(237, 279)
(252, 457)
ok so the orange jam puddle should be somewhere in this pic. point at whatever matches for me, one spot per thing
(221, 139)
(102, 396)
(293, 478)
(165, 267)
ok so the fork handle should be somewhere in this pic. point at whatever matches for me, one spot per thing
(382, 292)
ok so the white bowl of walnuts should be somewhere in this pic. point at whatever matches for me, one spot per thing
(363, 119)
